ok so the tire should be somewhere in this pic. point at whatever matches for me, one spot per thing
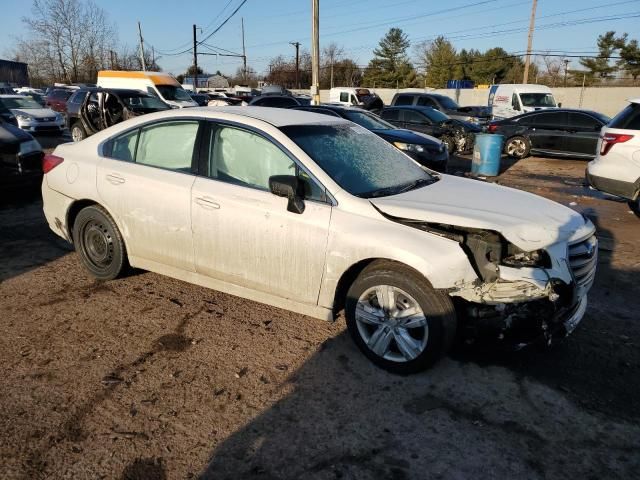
(77, 132)
(634, 205)
(517, 147)
(396, 347)
(99, 243)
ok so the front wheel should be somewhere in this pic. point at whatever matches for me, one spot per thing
(397, 319)
(517, 147)
(98, 242)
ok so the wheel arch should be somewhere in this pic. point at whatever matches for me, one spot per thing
(77, 206)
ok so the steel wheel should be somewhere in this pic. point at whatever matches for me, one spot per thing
(391, 323)
(98, 244)
(517, 147)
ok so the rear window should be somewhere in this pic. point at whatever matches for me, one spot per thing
(404, 100)
(77, 97)
(628, 118)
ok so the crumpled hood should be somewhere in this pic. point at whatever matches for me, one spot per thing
(528, 221)
(35, 112)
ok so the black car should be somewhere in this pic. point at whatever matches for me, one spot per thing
(90, 110)
(459, 136)
(20, 158)
(446, 105)
(276, 101)
(200, 98)
(559, 131)
(424, 149)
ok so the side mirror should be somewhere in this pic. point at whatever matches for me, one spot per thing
(288, 186)
(560, 105)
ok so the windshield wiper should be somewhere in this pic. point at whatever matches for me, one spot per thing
(396, 189)
(421, 182)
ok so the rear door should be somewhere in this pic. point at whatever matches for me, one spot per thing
(392, 115)
(416, 121)
(584, 131)
(549, 131)
(144, 179)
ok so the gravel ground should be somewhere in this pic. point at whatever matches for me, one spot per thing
(151, 378)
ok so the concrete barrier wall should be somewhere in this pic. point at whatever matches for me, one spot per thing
(607, 100)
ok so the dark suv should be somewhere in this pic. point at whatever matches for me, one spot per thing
(443, 103)
(90, 110)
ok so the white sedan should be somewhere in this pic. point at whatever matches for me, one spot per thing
(315, 214)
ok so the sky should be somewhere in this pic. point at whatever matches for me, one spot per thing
(562, 27)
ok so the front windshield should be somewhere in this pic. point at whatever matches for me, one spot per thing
(436, 116)
(359, 161)
(537, 100)
(22, 102)
(171, 92)
(448, 103)
(144, 103)
(368, 121)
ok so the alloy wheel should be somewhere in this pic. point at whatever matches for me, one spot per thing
(391, 323)
(516, 148)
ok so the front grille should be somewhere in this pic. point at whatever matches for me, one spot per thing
(47, 119)
(583, 258)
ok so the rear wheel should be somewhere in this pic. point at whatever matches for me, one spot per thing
(397, 319)
(99, 244)
(77, 132)
(517, 147)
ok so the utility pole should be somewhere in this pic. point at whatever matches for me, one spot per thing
(111, 58)
(144, 66)
(195, 60)
(566, 66)
(532, 23)
(315, 52)
(244, 55)
(297, 45)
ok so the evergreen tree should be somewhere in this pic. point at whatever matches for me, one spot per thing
(390, 65)
(600, 66)
(439, 60)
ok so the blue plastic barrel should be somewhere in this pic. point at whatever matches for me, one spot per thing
(486, 154)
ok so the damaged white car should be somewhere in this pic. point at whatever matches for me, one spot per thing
(316, 215)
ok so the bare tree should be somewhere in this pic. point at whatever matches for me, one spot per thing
(553, 69)
(69, 40)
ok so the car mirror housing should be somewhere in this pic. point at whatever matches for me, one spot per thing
(288, 186)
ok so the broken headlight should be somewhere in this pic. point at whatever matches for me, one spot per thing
(409, 147)
(519, 258)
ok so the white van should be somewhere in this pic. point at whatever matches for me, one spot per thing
(512, 99)
(159, 84)
(349, 96)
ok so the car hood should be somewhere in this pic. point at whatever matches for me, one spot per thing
(34, 112)
(528, 221)
(406, 136)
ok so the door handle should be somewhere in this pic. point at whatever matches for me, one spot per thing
(115, 179)
(208, 203)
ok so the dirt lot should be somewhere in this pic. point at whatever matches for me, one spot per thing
(151, 378)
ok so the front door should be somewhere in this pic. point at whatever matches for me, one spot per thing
(584, 133)
(243, 234)
(145, 180)
(417, 122)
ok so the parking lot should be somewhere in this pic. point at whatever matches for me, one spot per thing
(147, 377)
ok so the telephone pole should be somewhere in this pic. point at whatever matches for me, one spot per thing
(566, 67)
(315, 52)
(144, 66)
(297, 45)
(244, 55)
(527, 61)
(195, 60)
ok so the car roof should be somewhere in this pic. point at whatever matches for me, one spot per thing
(561, 110)
(120, 91)
(278, 117)
(409, 107)
(634, 100)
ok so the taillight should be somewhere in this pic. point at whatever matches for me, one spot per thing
(610, 139)
(492, 128)
(49, 162)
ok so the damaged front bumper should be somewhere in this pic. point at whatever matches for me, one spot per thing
(526, 306)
